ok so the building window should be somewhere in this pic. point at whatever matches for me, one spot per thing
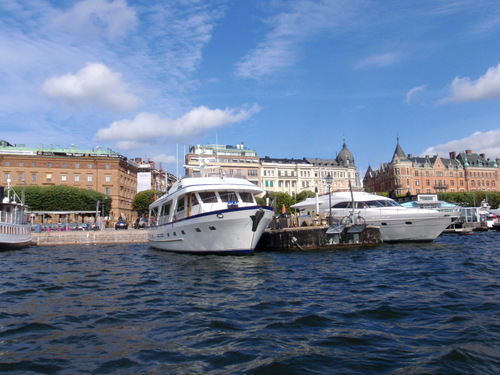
(63, 177)
(77, 165)
(90, 166)
(89, 178)
(108, 191)
(20, 176)
(21, 164)
(428, 182)
(108, 178)
(6, 176)
(49, 176)
(49, 164)
(417, 182)
(7, 163)
(77, 177)
(33, 164)
(33, 177)
(64, 165)
(108, 166)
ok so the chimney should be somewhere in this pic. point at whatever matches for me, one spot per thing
(468, 151)
(453, 155)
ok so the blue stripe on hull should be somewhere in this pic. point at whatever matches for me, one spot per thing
(208, 252)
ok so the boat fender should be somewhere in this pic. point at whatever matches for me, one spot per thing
(294, 241)
(256, 219)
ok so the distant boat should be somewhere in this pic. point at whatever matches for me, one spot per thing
(396, 223)
(208, 215)
(15, 229)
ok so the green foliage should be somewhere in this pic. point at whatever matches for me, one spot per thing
(143, 199)
(305, 194)
(472, 198)
(63, 198)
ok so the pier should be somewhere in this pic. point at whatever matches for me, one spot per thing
(319, 237)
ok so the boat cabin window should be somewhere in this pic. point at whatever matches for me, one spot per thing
(246, 197)
(181, 204)
(228, 196)
(342, 205)
(208, 197)
(194, 200)
(165, 210)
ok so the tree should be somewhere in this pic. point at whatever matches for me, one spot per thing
(303, 195)
(63, 198)
(143, 199)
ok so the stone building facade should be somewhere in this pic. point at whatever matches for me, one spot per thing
(409, 175)
(104, 171)
(293, 176)
(283, 175)
(236, 161)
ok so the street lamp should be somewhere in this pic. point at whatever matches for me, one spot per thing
(329, 180)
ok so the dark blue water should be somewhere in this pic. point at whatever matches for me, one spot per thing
(394, 309)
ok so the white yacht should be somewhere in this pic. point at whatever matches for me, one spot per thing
(15, 229)
(397, 223)
(208, 215)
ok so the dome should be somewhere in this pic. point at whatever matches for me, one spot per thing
(345, 157)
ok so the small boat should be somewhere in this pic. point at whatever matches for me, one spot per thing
(396, 223)
(15, 229)
(208, 214)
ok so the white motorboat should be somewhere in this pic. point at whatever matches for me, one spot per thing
(15, 229)
(208, 215)
(397, 223)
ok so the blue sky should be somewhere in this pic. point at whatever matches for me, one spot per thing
(287, 78)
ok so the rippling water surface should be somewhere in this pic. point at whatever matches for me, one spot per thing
(392, 309)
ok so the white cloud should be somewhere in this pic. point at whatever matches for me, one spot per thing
(163, 158)
(95, 84)
(485, 87)
(98, 17)
(148, 127)
(280, 48)
(412, 92)
(380, 60)
(482, 143)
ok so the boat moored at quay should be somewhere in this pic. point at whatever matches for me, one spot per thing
(208, 214)
(396, 223)
(15, 229)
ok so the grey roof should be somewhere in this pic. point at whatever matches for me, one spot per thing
(345, 157)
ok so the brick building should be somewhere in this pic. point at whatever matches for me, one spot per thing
(406, 174)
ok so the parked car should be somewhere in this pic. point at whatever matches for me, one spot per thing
(141, 223)
(121, 225)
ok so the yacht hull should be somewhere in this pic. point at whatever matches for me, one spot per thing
(229, 231)
(402, 225)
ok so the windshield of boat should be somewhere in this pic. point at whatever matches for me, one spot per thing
(367, 204)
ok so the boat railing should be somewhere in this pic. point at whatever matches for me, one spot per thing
(13, 217)
(214, 174)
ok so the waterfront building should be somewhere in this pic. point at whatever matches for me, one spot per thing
(283, 175)
(293, 176)
(234, 161)
(102, 170)
(410, 175)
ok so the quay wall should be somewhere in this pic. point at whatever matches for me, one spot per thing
(309, 238)
(90, 237)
